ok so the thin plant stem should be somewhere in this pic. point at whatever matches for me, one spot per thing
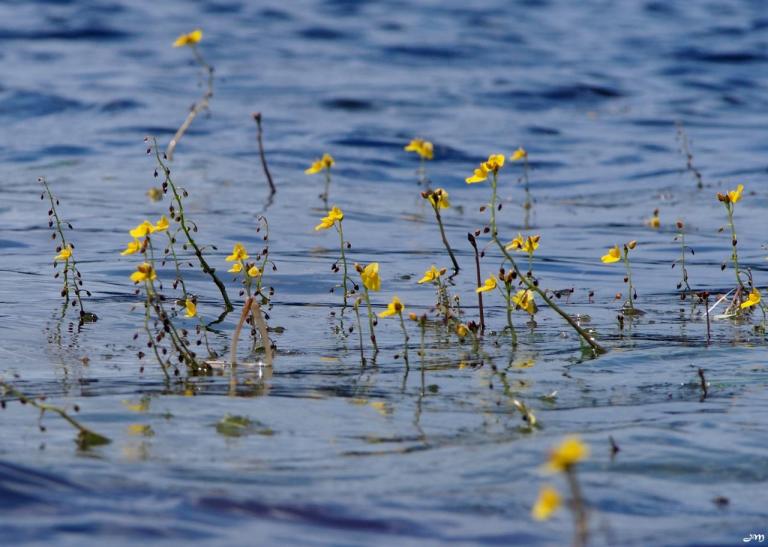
(262, 156)
(436, 208)
(629, 279)
(473, 242)
(370, 318)
(199, 106)
(529, 283)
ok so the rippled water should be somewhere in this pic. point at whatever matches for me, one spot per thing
(592, 89)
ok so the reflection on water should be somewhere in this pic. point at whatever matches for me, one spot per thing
(437, 450)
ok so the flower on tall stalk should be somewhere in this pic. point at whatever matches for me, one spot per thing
(189, 39)
(370, 277)
(333, 216)
(322, 164)
(423, 148)
(64, 254)
(144, 272)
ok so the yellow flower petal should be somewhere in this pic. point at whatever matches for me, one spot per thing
(519, 154)
(394, 307)
(254, 271)
(64, 254)
(334, 215)
(480, 174)
(571, 451)
(489, 284)
(162, 224)
(144, 272)
(132, 248)
(370, 277)
(524, 300)
(236, 268)
(423, 148)
(546, 504)
(432, 274)
(439, 198)
(462, 330)
(735, 195)
(495, 162)
(614, 255)
(190, 308)
(326, 162)
(238, 253)
(752, 300)
(142, 230)
(191, 38)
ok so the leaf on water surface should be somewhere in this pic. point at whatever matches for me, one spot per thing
(239, 426)
(87, 439)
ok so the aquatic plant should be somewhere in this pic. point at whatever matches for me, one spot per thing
(438, 198)
(615, 255)
(369, 275)
(517, 155)
(683, 286)
(323, 165)
(685, 150)
(563, 459)
(262, 155)
(72, 278)
(164, 337)
(86, 438)
(191, 40)
(492, 167)
(334, 219)
(396, 307)
(176, 213)
(426, 152)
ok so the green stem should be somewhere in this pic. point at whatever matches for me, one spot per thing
(597, 348)
(370, 319)
(436, 208)
(734, 253)
(345, 277)
(405, 335)
(629, 279)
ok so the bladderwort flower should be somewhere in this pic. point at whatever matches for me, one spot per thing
(73, 279)
(517, 155)
(371, 282)
(492, 166)
(684, 287)
(239, 256)
(189, 39)
(438, 198)
(190, 308)
(144, 272)
(435, 277)
(323, 165)
(490, 284)
(334, 218)
(654, 222)
(426, 151)
(614, 255)
(547, 503)
(729, 200)
(527, 245)
(752, 300)
(396, 307)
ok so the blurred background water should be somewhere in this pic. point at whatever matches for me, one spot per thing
(592, 89)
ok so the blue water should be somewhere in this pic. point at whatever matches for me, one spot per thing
(592, 89)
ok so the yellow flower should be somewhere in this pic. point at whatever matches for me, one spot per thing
(155, 194)
(131, 248)
(523, 299)
(614, 255)
(254, 271)
(326, 162)
(142, 230)
(462, 330)
(495, 162)
(439, 198)
(753, 300)
(189, 39)
(654, 222)
(489, 284)
(370, 277)
(570, 452)
(327, 221)
(480, 174)
(527, 244)
(519, 154)
(144, 272)
(423, 148)
(190, 308)
(161, 224)
(64, 254)
(236, 268)
(432, 274)
(546, 504)
(238, 253)
(394, 307)
(735, 195)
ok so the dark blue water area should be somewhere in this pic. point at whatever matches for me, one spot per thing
(594, 91)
